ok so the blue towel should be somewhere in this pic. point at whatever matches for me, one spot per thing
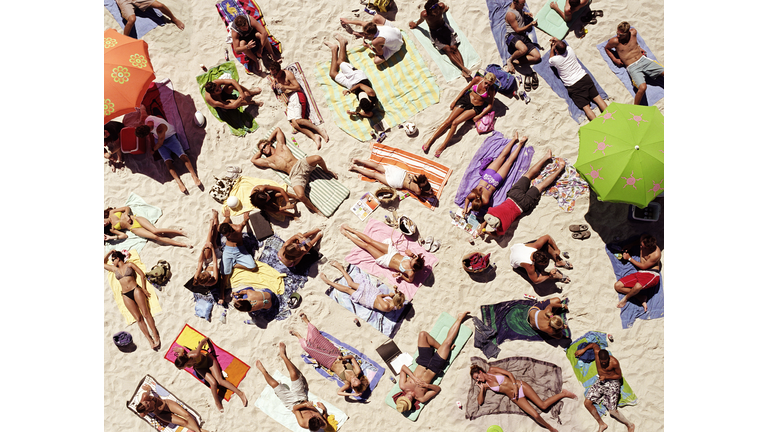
(145, 21)
(497, 10)
(632, 311)
(653, 93)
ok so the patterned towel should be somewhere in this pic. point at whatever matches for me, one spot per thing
(510, 321)
(160, 391)
(655, 90)
(139, 207)
(229, 9)
(145, 21)
(449, 70)
(655, 295)
(239, 121)
(159, 101)
(114, 285)
(314, 114)
(567, 188)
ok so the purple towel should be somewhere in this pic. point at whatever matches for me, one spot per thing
(632, 311)
(655, 90)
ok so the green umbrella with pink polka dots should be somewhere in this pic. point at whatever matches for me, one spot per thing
(621, 154)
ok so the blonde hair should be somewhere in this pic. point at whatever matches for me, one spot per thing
(556, 322)
(490, 76)
(403, 404)
(398, 300)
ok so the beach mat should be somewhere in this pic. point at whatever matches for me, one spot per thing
(160, 391)
(242, 191)
(239, 121)
(497, 10)
(139, 207)
(234, 367)
(314, 113)
(449, 70)
(655, 295)
(551, 23)
(439, 332)
(145, 21)
(114, 285)
(228, 10)
(405, 87)
(653, 93)
(160, 101)
(568, 187)
(510, 321)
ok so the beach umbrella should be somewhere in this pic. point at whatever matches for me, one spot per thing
(128, 73)
(621, 154)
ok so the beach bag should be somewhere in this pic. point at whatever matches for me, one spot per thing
(160, 273)
(485, 124)
(221, 188)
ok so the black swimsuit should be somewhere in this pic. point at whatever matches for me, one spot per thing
(129, 272)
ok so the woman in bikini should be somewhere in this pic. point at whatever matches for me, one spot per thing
(275, 201)
(252, 300)
(206, 365)
(168, 411)
(207, 273)
(473, 102)
(135, 296)
(365, 293)
(386, 254)
(520, 392)
(542, 317)
(294, 249)
(117, 220)
(345, 367)
(393, 176)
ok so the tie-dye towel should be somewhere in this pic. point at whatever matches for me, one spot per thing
(568, 186)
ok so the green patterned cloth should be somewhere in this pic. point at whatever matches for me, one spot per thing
(239, 121)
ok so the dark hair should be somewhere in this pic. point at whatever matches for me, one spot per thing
(370, 29)
(142, 131)
(107, 228)
(417, 263)
(241, 20)
(141, 407)
(210, 87)
(263, 200)
(202, 279)
(118, 255)
(225, 229)
(540, 258)
(560, 47)
(366, 105)
(293, 252)
(574, 3)
(603, 355)
(274, 66)
(648, 240)
(315, 423)
(423, 183)
(475, 369)
(430, 4)
(106, 211)
(181, 360)
(362, 386)
(242, 305)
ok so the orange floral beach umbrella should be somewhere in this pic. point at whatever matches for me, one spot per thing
(128, 73)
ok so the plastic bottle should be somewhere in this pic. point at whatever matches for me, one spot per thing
(370, 11)
(223, 317)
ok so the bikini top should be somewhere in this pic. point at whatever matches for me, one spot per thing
(474, 89)
(117, 225)
(402, 270)
(128, 272)
(264, 298)
(536, 319)
(500, 380)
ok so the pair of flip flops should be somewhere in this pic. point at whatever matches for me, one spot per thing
(580, 231)
(592, 18)
(430, 244)
(531, 82)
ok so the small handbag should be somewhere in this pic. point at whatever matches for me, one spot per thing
(485, 124)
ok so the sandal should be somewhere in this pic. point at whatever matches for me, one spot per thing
(567, 265)
(428, 243)
(578, 228)
(527, 83)
(435, 246)
(582, 235)
(534, 81)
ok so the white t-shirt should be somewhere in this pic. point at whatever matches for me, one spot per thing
(157, 121)
(568, 67)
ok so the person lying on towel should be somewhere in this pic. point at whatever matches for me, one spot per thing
(288, 90)
(385, 38)
(630, 55)
(366, 293)
(298, 245)
(353, 80)
(580, 86)
(648, 272)
(443, 37)
(386, 254)
(166, 410)
(542, 317)
(394, 177)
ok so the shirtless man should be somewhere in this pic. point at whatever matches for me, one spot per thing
(219, 94)
(281, 159)
(249, 37)
(607, 390)
(385, 38)
(648, 274)
(235, 254)
(631, 56)
(128, 11)
(432, 359)
(166, 410)
(443, 37)
(353, 80)
(294, 397)
(519, 45)
(288, 89)
(571, 7)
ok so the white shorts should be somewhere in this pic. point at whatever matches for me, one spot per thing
(293, 112)
(385, 259)
(349, 76)
(395, 176)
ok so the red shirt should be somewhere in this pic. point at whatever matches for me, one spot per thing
(507, 212)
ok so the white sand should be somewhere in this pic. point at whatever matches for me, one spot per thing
(176, 55)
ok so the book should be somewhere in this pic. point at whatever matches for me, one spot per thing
(393, 357)
(365, 206)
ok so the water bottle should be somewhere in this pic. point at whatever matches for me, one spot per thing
(370, 11)
(223, 317)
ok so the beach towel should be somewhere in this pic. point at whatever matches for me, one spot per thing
(265, 277)
(271, 405)
(449, 70)
(497, 10)
(229, 9)
(436, 173)
(586, 373)
(161, 392)
(372, 370)
(242, 190)
(314, 114)
(550, 22)
(383, 322)
(510, 321)
(545, 378)
(160, 101)
(439, 332)
(239, 121)
(568, 186)
(139, 207)
(379, 231)
(145, 20)
(232, 367)
(655, 295)
(655, 90)
(114, 285)
(405, 86)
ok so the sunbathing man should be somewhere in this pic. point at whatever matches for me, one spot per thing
(385, 38)
(295, 397)
(235, 254)
(249, 37)
(288, 90)
(632, 57)
(648, 274)
(432, 359)
(443, 37)
(577, 81)
(166, 410)
(274, 200)
(281, 159)
(207, 273)
(571, 7)
(128, 11)
(607, 389)
(219, 94)
(294, 249)
(353, 80)
(534, 258)
(518, 43)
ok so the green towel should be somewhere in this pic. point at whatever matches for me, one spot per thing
(239, 121)
(448, 69)
(550, 22)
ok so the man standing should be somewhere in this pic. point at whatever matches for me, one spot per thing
(607, 389)
(127, 10)
(648, 274)
(581, 89)
(443, 37)
(518, 43)
(631, 56)
(385, 38)
(219, 94)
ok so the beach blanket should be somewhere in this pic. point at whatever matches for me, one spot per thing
(139, 207)
(314, 113)
(145, 20)
(439, 332)
(242, 190)
(568, 186)
(379, 231)
(449, 70)
(239, 121)
(271, 405)
(655, 89)
(510, 321)
(383, 322)
(550, 22)
(161, 392)
(405, 86)
(497, 10)
(232, 367)
(545, 378)
(228, 10)
(160, 101)
(436, 173)
(114, 285)
(655, 295)
(586, 373)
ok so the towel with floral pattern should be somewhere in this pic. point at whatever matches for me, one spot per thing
(568, 186)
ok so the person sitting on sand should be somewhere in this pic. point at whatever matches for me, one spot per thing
(117, 220)
(386, 254)
(135, 296)
(542, 317)
(288, 90)
(112, 151)
(432, 359)
(648, 272)
(443, 37)
(252, 300)
(219, 94)
(519, 392)
(294, 249)
(579, 85)
(365, 293)
(295, 397)
(385, 38)
(207, 366)
(207, 272)
(327, 355)
(128, 12)
(519, 45)
(473, 102)
(632, 57)
(534, 257)
(393, 176)
(280, 158)
(571, 7)
(235, 254)
(607, 389)
(274, 200)
(353, 80)
(166, 410)
(249, 37)
(167, 144)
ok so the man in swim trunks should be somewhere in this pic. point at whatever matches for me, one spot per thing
(166, 410)
(288, 90)
(607, 390)
(128, 11)
(219, 94)
(280, 158)
(632, 57)
(443, 37)
(353, 80)
(249, 37)
(581, 89)
(648, 274)
(432, 359)
(235, 254)
(385, 38)
(571, 7)
(519, 45)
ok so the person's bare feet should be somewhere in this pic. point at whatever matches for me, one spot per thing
(243, 398)
(182, 188)
(178, 23)
(330, 45)
(259, 366)
(602, 427)
(318, 140)
(282, 349)
(342, 40)
(523, 140)
(569, 394)
(630, 428)
(324, 278)
(303, 317)
(337, 265)
(324, 134)
(156, 345)
(622, 303)
(333, 174)
(466, 74)
(344, 228)
(293, 333)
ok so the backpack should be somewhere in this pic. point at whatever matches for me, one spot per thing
(504, 79)
(160, 273)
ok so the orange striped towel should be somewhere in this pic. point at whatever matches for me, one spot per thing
(436, 174)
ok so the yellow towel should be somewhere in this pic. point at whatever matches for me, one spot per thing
(154, 303)
(265, 277)
(242, 190)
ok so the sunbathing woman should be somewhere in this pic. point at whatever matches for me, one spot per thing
(207, 366)
(365, 293)
(345, 367)
(493, 175)
(393, 176)
(502, 381)
(252, 300)
(547, 322)
(207, 273)
(274, 200)
(117, 220)
(386, 254)
(471, 103)
(135, 296)
(169, 411)
(294, 249)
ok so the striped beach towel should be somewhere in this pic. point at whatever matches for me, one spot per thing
(164, 394)
(449, 70)
(229, 9)
(314, 114)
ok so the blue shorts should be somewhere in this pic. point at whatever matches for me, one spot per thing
(236, 255)
(170, 145)
(642, 67)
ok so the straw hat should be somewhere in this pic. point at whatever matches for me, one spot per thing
(403, 404)
(386, 195)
